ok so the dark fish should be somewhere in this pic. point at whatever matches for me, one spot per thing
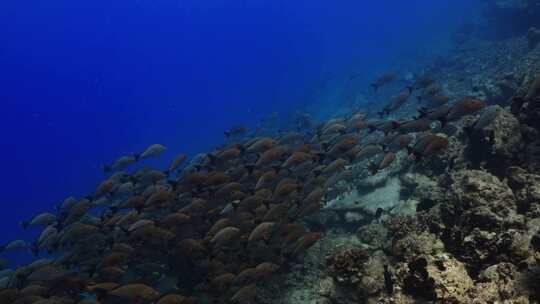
(385, 126)
(369, 151)
(388, 159)
(152, 151)
(396, 102)
(413, 126)
(383, 80)
(439, 113)
(465, 106)
(423, 82)
(235, 131)
(388, 282)
(428, 145)
(398, 142)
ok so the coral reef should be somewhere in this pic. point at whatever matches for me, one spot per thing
(495, 139)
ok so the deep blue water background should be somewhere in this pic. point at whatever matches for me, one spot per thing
(82, 83)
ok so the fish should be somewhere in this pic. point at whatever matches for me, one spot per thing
(428, 145)
(124, 189)
(235, 131)
(225, 237)
(42, 219)
(278, 153)
(173, 299)
(414, 126)
(261, 145)
(304, 243)
(120, 163)
(333, 167)
(439, 113)
(134, 293)
(262, 232)
(388, 281)
(383, 80)
(385, 126)
(423, 82)
(388, 159)
(104, 188)
(334, 128)
(398, 142)
(154, 150)
(369, 151)
(396, 101)
(246, 277)
(14, 245)
(176, 163)
(434, 100)
(245, 295)
(465, 106)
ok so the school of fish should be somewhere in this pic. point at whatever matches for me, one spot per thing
(214, 228)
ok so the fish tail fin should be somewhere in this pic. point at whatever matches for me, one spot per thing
(114, 209)
(24, 224)
(443, 120)
(125, 230)
(107, 168)
(139, 209)
(321, 157)
(213, 158)
(34, 249)
(266, 203)
(373, 168)
(249, 169)
(410, 150)
(174, 184)
(101, 294)
(468, 130)
(417, 156)
(325, 145)
(422, 112)
(241, 148)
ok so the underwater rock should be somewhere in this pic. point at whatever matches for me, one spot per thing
(482, 225)
(501, 283)
(426, 191)
(441, 279)
(416, 244)
(495, 138)
(526, 188)
(387, 196)
(374, 235)
(358, 271)
(484, 201)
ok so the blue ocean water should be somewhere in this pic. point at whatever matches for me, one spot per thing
(83, 83)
